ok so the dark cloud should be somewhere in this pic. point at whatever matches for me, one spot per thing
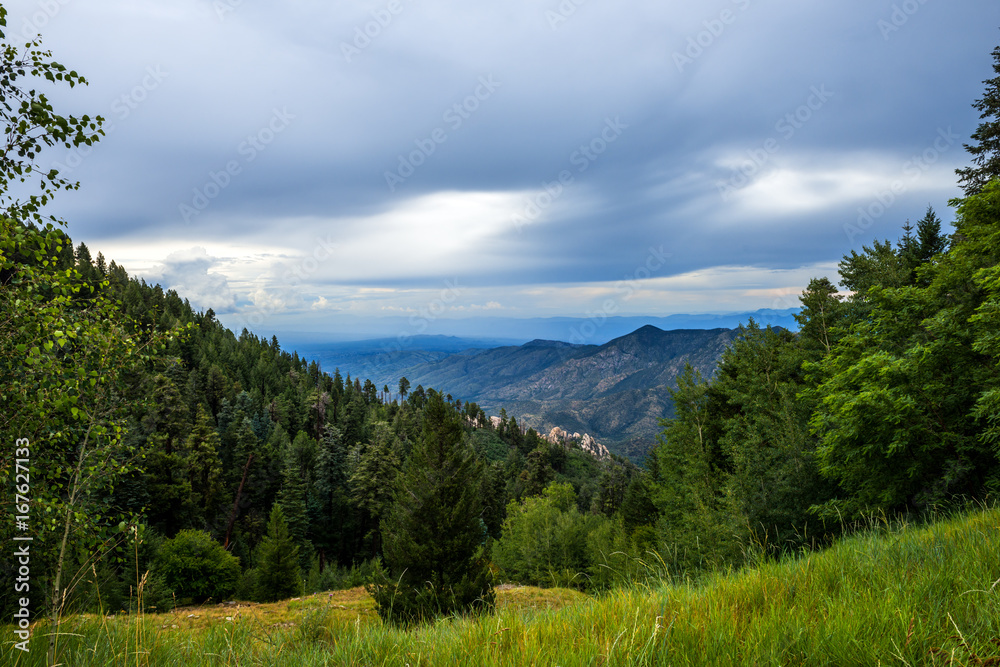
(487, 107)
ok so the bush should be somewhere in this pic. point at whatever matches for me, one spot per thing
(197, 567)
(336, 578)
(547, 541)
(248, 585)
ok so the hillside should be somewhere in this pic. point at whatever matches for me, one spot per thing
(616, 392)
(893, 595)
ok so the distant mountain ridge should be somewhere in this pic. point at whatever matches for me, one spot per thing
(414, 333)
(617, 392)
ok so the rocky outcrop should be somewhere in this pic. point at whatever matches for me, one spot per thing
(558, 436)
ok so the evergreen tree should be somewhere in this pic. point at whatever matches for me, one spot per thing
(355, 431)
(896, 416)
(204, 466)
(372, 481)
(332, 511)
(433, 534)
(612, 486)
(760, 405)
(539, 470)
(908, 246)
(166, 480)
(986, 149)
(695, 518)
(494, 499)
(930, 241)
(278, 574)
(292, 497)
(638, 510)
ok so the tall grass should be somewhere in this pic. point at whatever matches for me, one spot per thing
(892, 595)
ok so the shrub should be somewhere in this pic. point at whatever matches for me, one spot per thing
(197, 567)
(547, 541)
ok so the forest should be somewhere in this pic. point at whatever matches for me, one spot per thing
(144, 438)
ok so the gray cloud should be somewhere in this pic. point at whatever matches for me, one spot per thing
(187, 273)
(701, 88)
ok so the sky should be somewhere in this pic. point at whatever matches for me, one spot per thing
(315, 166)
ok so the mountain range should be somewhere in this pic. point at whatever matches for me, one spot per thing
(415, 331)
(617, 392)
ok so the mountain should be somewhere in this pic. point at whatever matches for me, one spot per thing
(617, 392)
(401, 331)
(385, 360)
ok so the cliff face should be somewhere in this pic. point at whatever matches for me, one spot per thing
(557, 436)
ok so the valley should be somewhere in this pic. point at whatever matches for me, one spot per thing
(616, 392)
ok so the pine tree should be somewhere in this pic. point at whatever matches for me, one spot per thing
(930, 241)
(354, 420)
(373, 479)
(292, 497)
(986, 149)
(434, 534)
(908, 250)
(204, 466)
(539, 471)
(278, 573)
(695, 516)
(331, 507)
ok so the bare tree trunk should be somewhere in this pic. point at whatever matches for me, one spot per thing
(236, 503)
(58, 595)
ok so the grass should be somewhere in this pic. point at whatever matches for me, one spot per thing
(894, 595)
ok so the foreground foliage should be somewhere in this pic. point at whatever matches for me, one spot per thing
(892, 595)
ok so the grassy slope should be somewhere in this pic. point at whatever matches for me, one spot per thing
(912, 596)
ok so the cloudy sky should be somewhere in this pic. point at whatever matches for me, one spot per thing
(307, 165)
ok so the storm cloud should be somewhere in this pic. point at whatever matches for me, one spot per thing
(356, 158)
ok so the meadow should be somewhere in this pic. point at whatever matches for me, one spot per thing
(893, 594)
